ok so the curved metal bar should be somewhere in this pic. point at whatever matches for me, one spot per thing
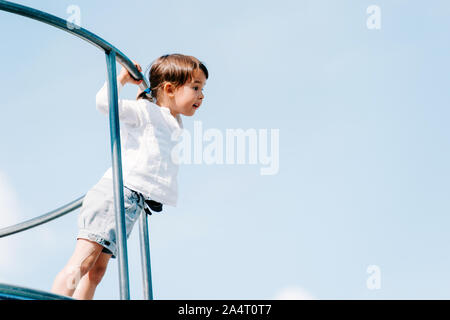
(77, 31)
(42, 219)
(112, 54)
(9, 292)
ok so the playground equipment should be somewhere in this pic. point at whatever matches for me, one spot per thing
(112, 54)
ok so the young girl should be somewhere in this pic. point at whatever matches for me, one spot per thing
(149, 173)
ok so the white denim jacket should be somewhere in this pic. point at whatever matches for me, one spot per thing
(148, 135)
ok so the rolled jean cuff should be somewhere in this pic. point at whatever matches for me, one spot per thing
(108, 246)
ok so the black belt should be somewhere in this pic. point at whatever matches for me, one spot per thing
(151, 205)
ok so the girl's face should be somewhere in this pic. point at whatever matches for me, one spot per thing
(188, 98)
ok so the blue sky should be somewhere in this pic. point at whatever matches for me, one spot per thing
(364, 147)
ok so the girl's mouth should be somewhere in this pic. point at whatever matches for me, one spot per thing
(196, 106)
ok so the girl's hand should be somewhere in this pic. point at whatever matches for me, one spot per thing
(125, 77)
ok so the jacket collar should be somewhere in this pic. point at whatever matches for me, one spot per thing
(175, 122)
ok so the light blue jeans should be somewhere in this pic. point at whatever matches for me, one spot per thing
(97, 222)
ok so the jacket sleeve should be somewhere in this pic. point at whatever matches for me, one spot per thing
(129, 110)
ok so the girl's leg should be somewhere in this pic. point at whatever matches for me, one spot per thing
(84, 257)
(88, 284)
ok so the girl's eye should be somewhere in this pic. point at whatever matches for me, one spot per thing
(196, 89)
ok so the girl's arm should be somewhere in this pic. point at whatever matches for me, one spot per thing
(129, 110)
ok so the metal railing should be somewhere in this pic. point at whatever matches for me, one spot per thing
(112, 54)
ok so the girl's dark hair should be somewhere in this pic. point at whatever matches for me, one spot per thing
(176, 69)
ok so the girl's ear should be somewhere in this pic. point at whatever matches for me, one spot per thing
(169, 89)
